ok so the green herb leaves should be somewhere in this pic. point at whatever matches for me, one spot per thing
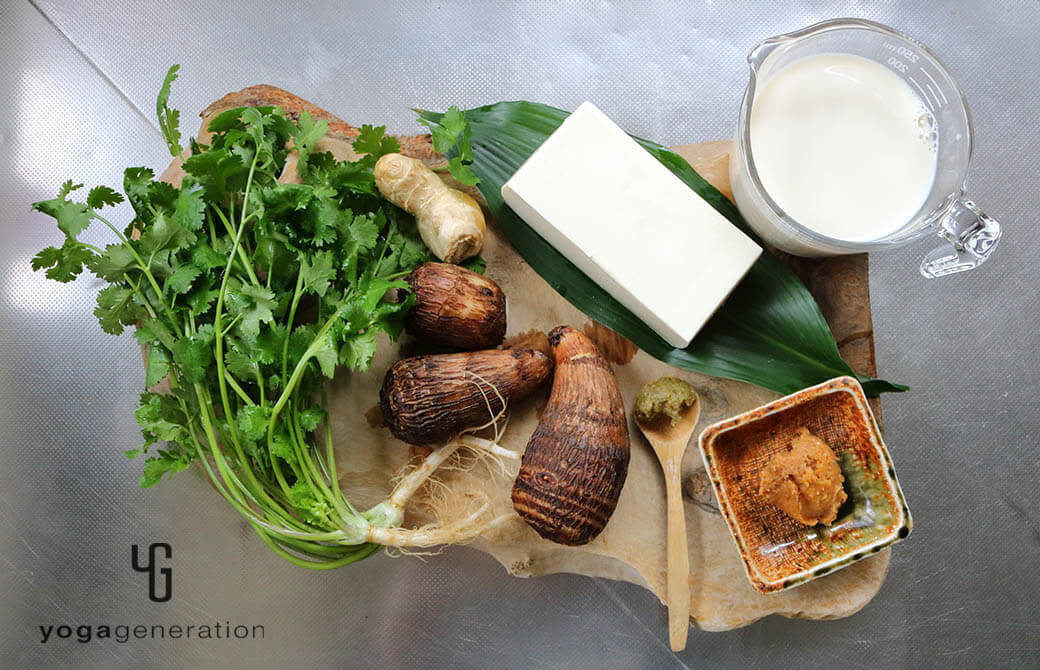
(373, 141)
(769, 332)
(169, 119)
(452, 136)
(249, 293)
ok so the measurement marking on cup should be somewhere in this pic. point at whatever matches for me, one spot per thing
(937, 87)
(924, 96)
(929, 87)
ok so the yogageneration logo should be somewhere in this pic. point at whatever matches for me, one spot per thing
(152, 560)
(160, 580)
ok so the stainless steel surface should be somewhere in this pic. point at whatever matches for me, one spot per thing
(79, 82)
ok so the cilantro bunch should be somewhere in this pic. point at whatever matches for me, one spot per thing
(250, 294)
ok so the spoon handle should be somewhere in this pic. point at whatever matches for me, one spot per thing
(678, 561)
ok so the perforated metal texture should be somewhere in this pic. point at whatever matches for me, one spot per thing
(79, 81)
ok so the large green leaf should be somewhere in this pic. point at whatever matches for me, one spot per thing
(769, 332)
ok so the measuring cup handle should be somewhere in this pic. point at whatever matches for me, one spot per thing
(972, 237)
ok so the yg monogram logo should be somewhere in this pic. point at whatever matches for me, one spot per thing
(155, 594)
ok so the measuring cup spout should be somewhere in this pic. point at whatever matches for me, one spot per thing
(761, 51)
(972, 235)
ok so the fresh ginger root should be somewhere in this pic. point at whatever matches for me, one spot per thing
(450, 222)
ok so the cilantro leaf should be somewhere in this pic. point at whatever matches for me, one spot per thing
(116, 308)
(194, 354)
(452, 137)
(157, 367)
(73, 217)
(252, 304)
(310, 505)
(305, 134)
(166, 234)
(462, 172)
(373, 141)
(167, 462)
(136, 181)
(63, 263)
(189, 209)
(252, 421)
(475, 264)
(317, 272)
(169, 119)
(311, 417)
(113, 264)
(205, 257)
(67, 187)
(181, 279)
(100, 196)
(149, 331)
(240, 364)
(214, 169)
(160, 418)
(357, 351)
(281, 446)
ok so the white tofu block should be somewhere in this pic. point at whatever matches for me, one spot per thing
(630, 224)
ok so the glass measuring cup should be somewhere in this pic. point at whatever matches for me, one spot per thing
(970, 234)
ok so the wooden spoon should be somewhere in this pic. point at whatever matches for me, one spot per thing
(669, 442)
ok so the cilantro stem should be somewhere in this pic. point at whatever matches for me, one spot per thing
(219, 316)
(230, 326)
(228, 475)
(271, 507)
(301, 366)
(247, 265)
(330, 460)
(297, 294)
(144, 301)
(218, 453)
(237, 389)
(260, 385)
(318, 479)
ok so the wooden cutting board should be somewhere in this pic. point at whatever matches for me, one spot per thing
(632, 548)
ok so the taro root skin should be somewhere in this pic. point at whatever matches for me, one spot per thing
(427, 399)
(576, 462)
(456, 307)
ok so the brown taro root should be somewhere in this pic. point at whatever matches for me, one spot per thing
(456, 307)
(428, 399)
(577, 459)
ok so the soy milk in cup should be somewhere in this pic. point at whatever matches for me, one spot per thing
(854, 138)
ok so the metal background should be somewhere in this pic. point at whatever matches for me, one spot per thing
(78, 84)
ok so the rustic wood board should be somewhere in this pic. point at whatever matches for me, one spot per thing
(632, 548)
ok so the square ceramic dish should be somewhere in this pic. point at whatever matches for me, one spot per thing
(778, 552)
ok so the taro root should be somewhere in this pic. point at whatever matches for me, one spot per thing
(426, 399)
(577, 459)
(456, 307)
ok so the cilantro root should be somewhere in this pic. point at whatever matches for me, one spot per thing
(250, 295)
